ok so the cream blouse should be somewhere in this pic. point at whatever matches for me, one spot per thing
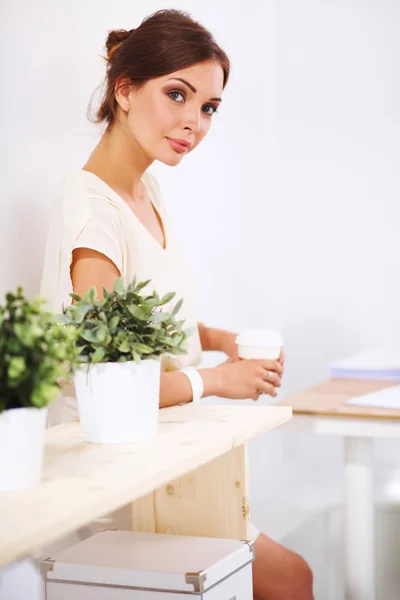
(90, 214)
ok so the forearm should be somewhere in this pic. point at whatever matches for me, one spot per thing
(212, 338)
(175, 387)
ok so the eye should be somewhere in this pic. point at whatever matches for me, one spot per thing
(175, 95)
(210, 106)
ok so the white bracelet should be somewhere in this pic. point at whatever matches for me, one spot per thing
(196, 381)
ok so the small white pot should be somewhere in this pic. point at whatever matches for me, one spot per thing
(21, 447)
(118, 402)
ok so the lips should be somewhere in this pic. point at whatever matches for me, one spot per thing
(180, 146)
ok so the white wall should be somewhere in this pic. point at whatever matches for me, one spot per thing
(339, 157)
(288, 212)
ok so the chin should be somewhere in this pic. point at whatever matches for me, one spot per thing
(170, 161)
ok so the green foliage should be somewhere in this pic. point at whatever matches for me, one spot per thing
(36, 353)
(125, 325)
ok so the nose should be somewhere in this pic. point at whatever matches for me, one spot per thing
(192, 119)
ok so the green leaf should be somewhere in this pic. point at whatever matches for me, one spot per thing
(167, 298)
(151, 302)
(159, 317)
(90, 295)
(22, 331)
(44, 394)
(132, 285)
(177, 307)
(124, 346)
(100, 333)
(81, 311)
(114, 322)
(76, 297)
(90, 335)
(141, 285)
(16, 367)
(136, 357)
(137, 312)
(98, 355)
(62, 319)
(119, 285)
(143, 349)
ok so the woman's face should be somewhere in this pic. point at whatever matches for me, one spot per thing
(170, 115)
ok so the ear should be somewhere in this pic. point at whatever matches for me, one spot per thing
(122, 91)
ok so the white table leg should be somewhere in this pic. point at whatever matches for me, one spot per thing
(359, 530)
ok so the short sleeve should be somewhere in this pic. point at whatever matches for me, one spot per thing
(101, 237)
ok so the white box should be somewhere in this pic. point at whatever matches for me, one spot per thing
(126, 565)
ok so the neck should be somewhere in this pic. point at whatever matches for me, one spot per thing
(119, 160)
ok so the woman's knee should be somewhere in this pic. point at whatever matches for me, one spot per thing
(280, 573)
(302, 579)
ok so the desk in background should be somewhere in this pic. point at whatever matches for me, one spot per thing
(322, 410)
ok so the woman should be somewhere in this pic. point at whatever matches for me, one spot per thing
(164, 83)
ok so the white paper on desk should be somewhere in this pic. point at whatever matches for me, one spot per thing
(389, 398)
(375, 363)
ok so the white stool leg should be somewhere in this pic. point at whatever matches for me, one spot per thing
(359, 527)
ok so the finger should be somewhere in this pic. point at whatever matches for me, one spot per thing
(271, 377)
(282, 357)
(266, 388)
(271, 365)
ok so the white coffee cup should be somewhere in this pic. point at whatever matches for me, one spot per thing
(259, 343)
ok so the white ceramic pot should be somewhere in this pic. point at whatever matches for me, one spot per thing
(21, 447)
(118, 402)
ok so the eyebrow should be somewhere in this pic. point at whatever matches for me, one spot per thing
(191, 87)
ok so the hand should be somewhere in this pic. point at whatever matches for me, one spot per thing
(248, 378)
(228, 345)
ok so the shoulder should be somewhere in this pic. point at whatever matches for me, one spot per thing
(84, 198)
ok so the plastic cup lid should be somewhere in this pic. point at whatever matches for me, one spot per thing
(259, 338)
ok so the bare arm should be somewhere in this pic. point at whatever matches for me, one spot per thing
(175, 387)
(212, 338)
(91, 268)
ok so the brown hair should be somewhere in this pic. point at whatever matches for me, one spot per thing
(166, 41)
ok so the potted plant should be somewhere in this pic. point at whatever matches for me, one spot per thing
(36, 354)
(121, 339)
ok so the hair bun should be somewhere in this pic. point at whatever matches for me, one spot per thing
(115, 38)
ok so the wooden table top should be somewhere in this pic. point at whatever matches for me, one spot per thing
(84, 481)
(329, 399)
